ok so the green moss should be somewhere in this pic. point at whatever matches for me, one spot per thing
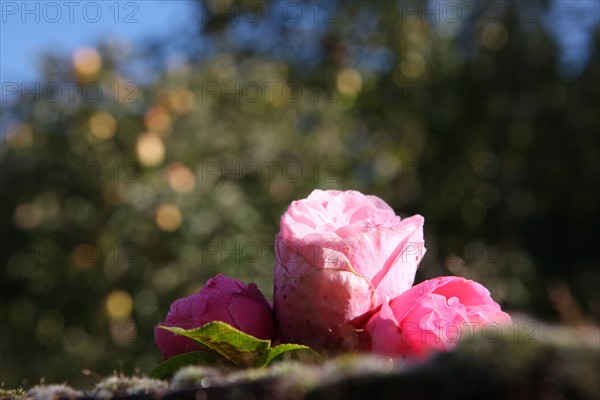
(6, 394)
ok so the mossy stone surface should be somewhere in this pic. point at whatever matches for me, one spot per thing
(557, 363)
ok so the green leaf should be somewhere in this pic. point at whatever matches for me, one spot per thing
(277, 351)
(236, 346)
(167, 368)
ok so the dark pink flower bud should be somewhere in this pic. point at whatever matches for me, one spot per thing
(221, 299)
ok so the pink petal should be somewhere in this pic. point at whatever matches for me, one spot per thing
(398, 272)
(385, 333)
(315, 309)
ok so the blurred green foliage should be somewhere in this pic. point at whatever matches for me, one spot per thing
(112, 206)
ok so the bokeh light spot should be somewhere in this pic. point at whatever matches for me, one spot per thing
(119, 304)
(168, 217)
(150, 150)
(87, 62)
(181, 100)
(414, 28)
(413, 64)
(27, 216)
(167, 278)
(19, 136)
(102, 125)
(349, 82)
(158, 119)
(387, 165)
(181, 178)
(494, 36)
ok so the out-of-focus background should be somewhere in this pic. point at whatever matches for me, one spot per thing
(147, 146)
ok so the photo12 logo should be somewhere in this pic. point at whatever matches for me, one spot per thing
(253, 92)
(78, 254)
(52, 333)
(52, 12)
(68, 172)
(70, 92)
(291, 172)
(455, 12)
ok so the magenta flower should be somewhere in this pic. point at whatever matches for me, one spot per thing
(432, 316)
(221, 299)
(338, 255)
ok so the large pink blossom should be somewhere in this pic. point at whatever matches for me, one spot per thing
(433, 316)
(338, 255)
(221, 299)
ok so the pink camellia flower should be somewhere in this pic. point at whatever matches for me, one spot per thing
(338, 255)
(221, 299)
(432, 316)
